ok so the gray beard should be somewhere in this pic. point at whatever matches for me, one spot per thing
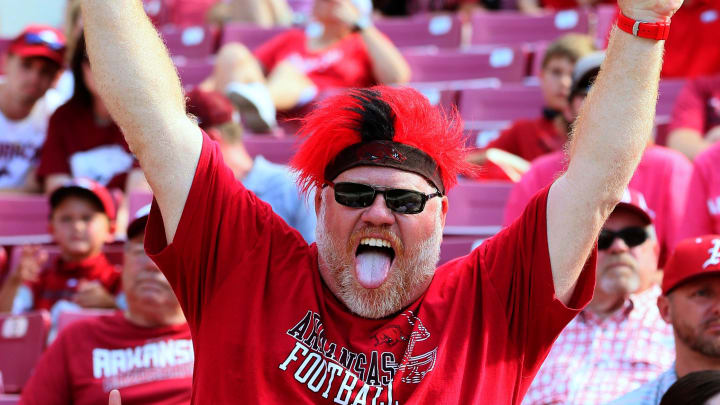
(408, 273)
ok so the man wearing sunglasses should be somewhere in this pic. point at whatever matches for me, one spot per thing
(32, 66)
(618, 342)
(363, 316)
(690, 302)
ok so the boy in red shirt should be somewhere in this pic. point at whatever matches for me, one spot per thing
(81, 222)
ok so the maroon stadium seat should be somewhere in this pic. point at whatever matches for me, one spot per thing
(453, 247)
(667, 93)
(506, 103)
(23, 219)
(249, 35)
(137, 200)
(605, 15)
(442, 31)
(193, 71)
(66, 318)
(504, 63)
(24, 337)
(9, 399)
(512, 27)
(277, 150)
(477, 208)
(190, 42)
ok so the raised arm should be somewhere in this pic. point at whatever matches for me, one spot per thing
(609, 137)
(141, 89)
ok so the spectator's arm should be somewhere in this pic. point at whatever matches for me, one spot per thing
(54, 181)
(529, 6)
(610, 134)
(687, 141)
(388, 64)
(141, 89)
(32, 260)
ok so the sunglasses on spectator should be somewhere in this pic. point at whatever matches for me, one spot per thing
(632, 236)
(356, 195)
(33, 38)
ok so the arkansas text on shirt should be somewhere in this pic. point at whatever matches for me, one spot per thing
(92, 357)
(267, 330)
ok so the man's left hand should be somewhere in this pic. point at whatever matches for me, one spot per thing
(91, 294)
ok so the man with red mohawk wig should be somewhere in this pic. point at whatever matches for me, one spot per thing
(363, 316)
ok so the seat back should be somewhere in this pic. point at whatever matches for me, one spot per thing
(505, 103)
(190, 42)
(22, 340)
(442, 31)
(513, 27)
(23, 219)
(66, 318)
(249, 35)
(276, 150)
(476, 209)
(193, 71)
(504, 63)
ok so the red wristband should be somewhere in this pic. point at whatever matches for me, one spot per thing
(657, 30)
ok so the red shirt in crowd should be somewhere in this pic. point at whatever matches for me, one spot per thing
(525, 138)
(60, 280)
(267, 330)
(92, 357)
(181, 13)
(663, 177)
(78, 146)
(697, 107)
(702, 214)
(344, 64)
(692, 46)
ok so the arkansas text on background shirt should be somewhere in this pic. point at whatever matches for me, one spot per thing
(267, 330)
(697, 107)
(702, 213)
(594, 360)
(78, 146)
(344, 64)
(93, 356)
(663, 177)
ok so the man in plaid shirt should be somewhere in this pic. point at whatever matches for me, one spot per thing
(619, 341)
(690, 301)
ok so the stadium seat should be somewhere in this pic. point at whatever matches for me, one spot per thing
(505, 103)
(137, 200)
(249, 35)
(512, 27)
(9, 399)
(277, 150)
(442, 31)
(66, 318)
(23, 336)
(193, 71)
(477, 208)
(453, 247)
(23, 219)
(667, 93)
(190, 42)
(605, 16)
(480, 133)
(504, 63)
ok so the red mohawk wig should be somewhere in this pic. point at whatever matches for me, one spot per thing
(379, 115)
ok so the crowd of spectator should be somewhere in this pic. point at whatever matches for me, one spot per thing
(653, 325)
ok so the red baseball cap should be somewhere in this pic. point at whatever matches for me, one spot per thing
(138, 222)
(634, 201)
(85, 188)
(39, 40)
(693, 257)
(210, 107)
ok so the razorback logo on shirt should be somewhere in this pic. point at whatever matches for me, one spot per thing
(326, 368)
(153, 361)
(713, 204)
(308, 64)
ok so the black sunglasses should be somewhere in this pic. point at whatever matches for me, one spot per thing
(632, 236)
(356, 195)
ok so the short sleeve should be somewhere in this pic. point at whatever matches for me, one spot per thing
(689, 111)
(54, 158)
(517, 263)
(50, 382)
(223, 228)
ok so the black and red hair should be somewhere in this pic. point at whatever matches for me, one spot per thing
(379, 114)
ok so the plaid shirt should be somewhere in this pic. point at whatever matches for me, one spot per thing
(597, 360)
(650, 393)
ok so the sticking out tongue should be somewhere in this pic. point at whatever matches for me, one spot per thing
(371, 268)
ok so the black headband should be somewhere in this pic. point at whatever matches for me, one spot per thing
(386, 154)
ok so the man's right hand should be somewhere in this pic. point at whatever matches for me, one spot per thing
(32, 260)
(114, 398)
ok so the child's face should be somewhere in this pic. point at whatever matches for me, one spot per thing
(555, 82)
(79, 229)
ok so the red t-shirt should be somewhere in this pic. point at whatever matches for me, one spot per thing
(697, 106)
(76, 145)
(345, 64)
(663, 177)
(60, 280)
(702, 214)
(91, 357)
(267, 330)
(692, 46)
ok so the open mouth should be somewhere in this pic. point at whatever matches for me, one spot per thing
(373, 259)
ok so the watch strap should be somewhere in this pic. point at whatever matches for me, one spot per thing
(650, 30)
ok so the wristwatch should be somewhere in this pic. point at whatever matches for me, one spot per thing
(656, 30)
